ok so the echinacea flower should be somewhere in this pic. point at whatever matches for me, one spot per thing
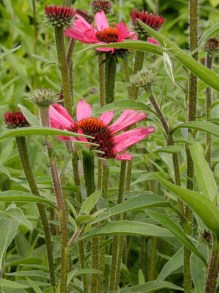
(155, 21)
(15, 120)
(98, 6)
(82, 31)
(113, 145)
(59, 15)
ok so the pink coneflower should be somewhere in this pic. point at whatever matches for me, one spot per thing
(112, 145)
(155, 21)
(15, 120)
(59, 15)
(102, 34)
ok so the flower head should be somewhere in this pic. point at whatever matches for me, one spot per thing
(212, 45)
(82, 31)
(44, 97)
(144, 78)
(98, 6)
(15, 120)
(59, 15)
(105, 135)
(153, 20)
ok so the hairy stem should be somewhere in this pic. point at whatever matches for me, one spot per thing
(60, 48)
(213, 269)
(208, 63)
(110, 78)
(192, 101)
(139, 60)
(44, 115)
(25, 161)
(101, 79)
(117, 240)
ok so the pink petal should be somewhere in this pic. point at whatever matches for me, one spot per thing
(83, 110)
(123, 32)
(101, 21)
(81, 32)
(59, 117)
(106, 117)
(127, 118)
(124, 157)
(153, 41)
(131, 137)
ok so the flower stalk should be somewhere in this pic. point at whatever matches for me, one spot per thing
(60, 48)
(139, 61)
(25, 161)
(110, 78)
(117, 245)
(101, 66)
(44, 115)
(213, 269)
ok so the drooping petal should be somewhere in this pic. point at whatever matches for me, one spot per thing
(124, 157)
(101, 21)
(59, 117)
(131, 137)
(106, 117)
(127, 118)
(83, 110)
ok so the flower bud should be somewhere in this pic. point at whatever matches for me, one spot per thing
(144, 78)
(59, 15)
(44, 97)
(98, 6)
(15, 120)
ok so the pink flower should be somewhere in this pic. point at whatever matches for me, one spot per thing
(112, 144)
(102, 34)
(153, 41)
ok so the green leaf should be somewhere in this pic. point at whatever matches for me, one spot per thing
(151, 286)
(200, 125)
(177, 232)
(198, 202)
(34, 286)
(123, 104)
(140, 202)
(203, 173)
(127, 228)
(29, 116)
(8, 196)
(18, 215)
(12, 284)
(24, 131)
(201, 71)
(90, 202)
(174, 263)
(8, 230)
(214, 3)
(9, 51)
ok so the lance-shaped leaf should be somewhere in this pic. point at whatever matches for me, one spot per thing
(198, 202)
(177, 231)
(200, 125)
(140, 202)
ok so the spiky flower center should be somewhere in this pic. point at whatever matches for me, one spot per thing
(101, 134)
(108, 35)
(15, 120)
(59, 15)
(98, 6)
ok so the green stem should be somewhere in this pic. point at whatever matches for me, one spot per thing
(152, 265)
(83, 264)
(25, 161)
(110, 78)
(102, 249)
(101, 79)
(139, 61)
(213, 269)
(60, 48)
(44, 115)
(117, 243)
(88, 168)
(208, 63)
(126, 72)
(69, 64)
(193, 40)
